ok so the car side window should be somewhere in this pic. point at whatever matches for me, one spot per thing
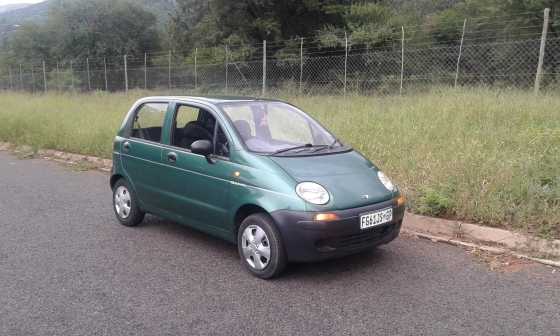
(148, 122)
(191, 124)
(185, 114)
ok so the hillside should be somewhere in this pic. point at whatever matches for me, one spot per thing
(34, 12)
(39, 12)
(11, 7)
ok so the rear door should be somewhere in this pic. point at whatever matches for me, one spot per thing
(142, 151)
(199, 188)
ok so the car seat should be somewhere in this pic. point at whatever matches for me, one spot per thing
(192, 132)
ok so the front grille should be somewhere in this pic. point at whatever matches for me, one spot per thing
(355, 241)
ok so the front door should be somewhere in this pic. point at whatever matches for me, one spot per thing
(199, 189)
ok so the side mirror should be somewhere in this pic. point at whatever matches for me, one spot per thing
(202, 147)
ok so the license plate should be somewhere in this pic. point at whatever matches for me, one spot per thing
(377, 218)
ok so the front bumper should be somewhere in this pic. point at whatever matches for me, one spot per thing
(306, 239)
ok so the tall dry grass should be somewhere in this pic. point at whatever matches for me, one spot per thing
(480, 155)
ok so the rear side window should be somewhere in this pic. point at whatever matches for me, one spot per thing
(148, 122)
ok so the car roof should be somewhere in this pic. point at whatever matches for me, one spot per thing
(206, 99)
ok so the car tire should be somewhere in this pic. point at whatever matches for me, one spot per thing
(257, 235)
(125, 204)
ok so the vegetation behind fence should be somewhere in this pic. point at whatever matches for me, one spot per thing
(464, 53)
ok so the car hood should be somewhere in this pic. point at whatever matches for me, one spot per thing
(348, 177)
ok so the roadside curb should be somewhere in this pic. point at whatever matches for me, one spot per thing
(491, 249)
(453, 232)
(485, 238)
(89, 162)
(93, 161)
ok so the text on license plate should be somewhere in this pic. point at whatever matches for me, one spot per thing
(376, 218)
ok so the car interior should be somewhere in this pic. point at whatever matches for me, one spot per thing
(200, 129)
(200, 125)
(148, 122)
(148, 133)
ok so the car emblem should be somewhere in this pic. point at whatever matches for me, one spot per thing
(365, 196)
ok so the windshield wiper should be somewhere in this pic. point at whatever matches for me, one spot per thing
(307, 145)
(321, 147)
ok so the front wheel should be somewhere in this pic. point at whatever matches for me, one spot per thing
(125, 204)
(260, 246)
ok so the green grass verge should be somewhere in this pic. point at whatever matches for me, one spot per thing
(485, 156)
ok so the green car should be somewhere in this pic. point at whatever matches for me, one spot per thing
(259, 173)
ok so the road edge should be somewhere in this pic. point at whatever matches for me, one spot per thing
(452, 232)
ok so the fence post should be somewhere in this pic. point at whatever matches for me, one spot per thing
(44, 77)
(169, 70)
(345, 60)
(145, 71)
(402, 60)
(57, 77)
(88, 78)
(195, 68)
(538, 76)
(72, 74)
(32, 79)
(21, 87)
(226, 62)
(11, 79)
(125, 75)
(264, 69)
(460, 53)
(105, 74)
(300, 64)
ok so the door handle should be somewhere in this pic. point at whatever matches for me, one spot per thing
(126, 146)
(172, 157)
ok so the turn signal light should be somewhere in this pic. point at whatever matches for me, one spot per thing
(401, 200)
(326, 217)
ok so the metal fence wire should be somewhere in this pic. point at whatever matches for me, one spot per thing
(405, 62)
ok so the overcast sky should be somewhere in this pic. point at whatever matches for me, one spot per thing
(8, 2)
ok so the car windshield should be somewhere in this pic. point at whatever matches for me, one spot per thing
(276, 127)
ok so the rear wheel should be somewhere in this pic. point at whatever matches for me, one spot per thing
(260, 246)
(125, 204)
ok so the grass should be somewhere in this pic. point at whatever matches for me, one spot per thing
(485, 156)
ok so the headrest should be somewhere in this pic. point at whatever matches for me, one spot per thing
(194, 130)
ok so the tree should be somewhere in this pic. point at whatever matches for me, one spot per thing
(104, 27)
(250, 21)
(96, 28)
(188, 15)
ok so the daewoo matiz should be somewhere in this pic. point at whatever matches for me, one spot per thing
(259, 173)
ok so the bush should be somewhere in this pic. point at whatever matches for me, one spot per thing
(434, 202)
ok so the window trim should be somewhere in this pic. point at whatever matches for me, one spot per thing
(215, 140)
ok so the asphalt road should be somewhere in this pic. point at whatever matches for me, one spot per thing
(68, 268)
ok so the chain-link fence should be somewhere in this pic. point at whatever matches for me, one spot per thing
(405, 62)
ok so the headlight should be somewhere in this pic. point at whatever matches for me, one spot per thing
(386, 182)
(312, 193)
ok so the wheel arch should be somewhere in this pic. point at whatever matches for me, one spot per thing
(114, 179)
(243, 212)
